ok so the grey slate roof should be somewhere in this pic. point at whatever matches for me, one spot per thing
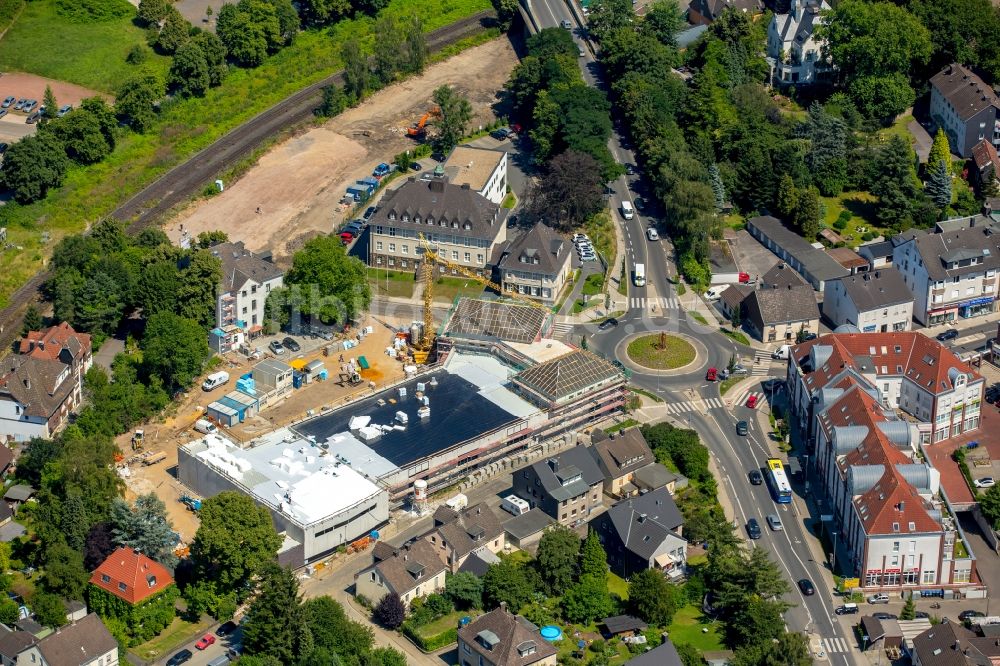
(779, 306)
(781, 275)
(540, 250)
(967, 93)
(471, 529)
(515, 636)
(35, 383)
(397, 571)
(576, 461)
(816, 261)
(663, 655)
(711, 9)
(877, 250)
(623, 453)
(19, 493)
(644, 522)
(962, 237)
(478, 562)
(12, 643)
(655, 475)
(532, 522)
(451, 209)
(876, 289)
(947, 644)
(622, 623)
(78, 643)
(11, 531)
(480, 319)
(561, 377)
(240, 264)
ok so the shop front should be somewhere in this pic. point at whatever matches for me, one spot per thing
(976, 307)
(942, 315)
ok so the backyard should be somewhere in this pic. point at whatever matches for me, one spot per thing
(391, 283)
(450, 288)
(176, 634)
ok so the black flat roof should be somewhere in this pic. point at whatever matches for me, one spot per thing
(458, 413)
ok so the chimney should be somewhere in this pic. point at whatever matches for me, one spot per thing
(642, 518)
(554, 464)
(27, 383)
(465, 186)
(436, 186)
(503, 605)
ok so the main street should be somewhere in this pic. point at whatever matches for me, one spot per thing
(655, 307)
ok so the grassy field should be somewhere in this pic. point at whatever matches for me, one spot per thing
(448, 288)
(175, 635)
(594, 284)
(735, 335)
(861, 205)
(45, 42)
(391, 283)
(8, 10)
(185, 126)
(646, 352)
(617, 585)
(687, 628)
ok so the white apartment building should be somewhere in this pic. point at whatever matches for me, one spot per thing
(873, 302)
(794, 53)
(965, 107)
(247, 279)
(537, 264)
(483, 170)
(952, 270)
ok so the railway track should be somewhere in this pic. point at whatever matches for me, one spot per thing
(187, 179)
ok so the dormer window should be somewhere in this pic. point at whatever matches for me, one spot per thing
(122, 586)
(454, 224)
(442, 223)
(430, 219)
(467, 226)
(392, 215)
(406, 218)
(416, 219)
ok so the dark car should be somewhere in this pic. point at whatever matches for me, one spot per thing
(772, 384)
(416, 166)
(566, 24)
(608, 323)
(756, 478)
(806, 337)
(950, 334)
(969, 614)
(225, 629)
(807, 587)
(629, 169)
(33, 118)
(4, 147)
(882, 615)
(753, 529)
(921, 615)
(181, 657)
(369, 212)
(847, 609)
(291, 345)
(3, 112)
(742, 428)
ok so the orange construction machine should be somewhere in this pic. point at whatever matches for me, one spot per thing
(419, 129)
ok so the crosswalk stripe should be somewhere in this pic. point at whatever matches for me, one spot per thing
(643, 303)
(835, 645)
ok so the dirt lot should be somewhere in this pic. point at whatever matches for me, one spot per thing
(16, 84)
(175, 430)
(298, 185)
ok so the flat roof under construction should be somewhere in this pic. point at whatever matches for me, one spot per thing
(466, 400)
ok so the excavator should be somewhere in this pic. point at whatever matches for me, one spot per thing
(422, 348)
(419, 129)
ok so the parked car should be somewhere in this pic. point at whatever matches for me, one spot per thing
(205, 641)
(225, 629)
(753, 529)
(369, 212)
(847, 609)
(739, 369)
(181, 657)
(985, 482)
(921, 615)
(3, 112)
(29, 106)
(969, 614)
(579, 237)
(880, 598)
(756, 478)
(807, 587)
(652, 235)
(20, 103)
(882, 615)
(742, 428)
(291, 345)
(950, 334)
(7, 101)
(33, 118)
(772, 384)
(276, 348)
(416, 166)
(630, 169)
(566, 24)
(64, 109)
(608, 323)
(774, 522)
(3, 148)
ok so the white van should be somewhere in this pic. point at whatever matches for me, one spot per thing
(782, 352)
(715, 293)
(640, 275)
(205, 427)
(627, 211)
(515, 505)
(215, 380)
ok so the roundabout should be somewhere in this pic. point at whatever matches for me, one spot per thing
(661, 351)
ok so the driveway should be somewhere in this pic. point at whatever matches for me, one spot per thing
(749, 255)
(922, 140)
(518, 162)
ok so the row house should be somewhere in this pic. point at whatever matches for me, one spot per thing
(965, 107)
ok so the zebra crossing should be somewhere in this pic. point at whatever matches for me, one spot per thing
(694, 405)
(832, 645)
(561, 329)
(742, 400)
(761, 363)
(658, 304)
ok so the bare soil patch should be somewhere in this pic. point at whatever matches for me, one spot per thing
(298, 184)
(19, 84)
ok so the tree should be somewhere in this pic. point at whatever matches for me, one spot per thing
(82, 136)
(827, 156)
(989, 504)
(189, 71)
(506, 582)
(235, 539)
(50, 104)
(558, 557)
(151, 12)
(333, 631)
(199, 278)
(136, 98)
(788, 649)
(99, 544)
(882, 98)
(465, 590)
(144, 527)
(896, 184)
(390, 611)
(569, 194)
(75, 523)
(681, 448)
(245, 40)
(788, 197)
(49, 610)
(99, 305)
(652, 598)
(456, 112)
(807, 214)
(174, 348)
(64, 573)
(356, 71)
(416, 46)
(33, 166)
(506, 10)
(909, 611)
(32, 320)
(664, 20)
(940, 149)
(718, 188)
(593, 559)
(938, 185)
(288, 22)
(608, 16)
(175, 32)
(338, 289)
(274, 618)
(207, 239)
(333, 102)
(588, 600)
(389, 53)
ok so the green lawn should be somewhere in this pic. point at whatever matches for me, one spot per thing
(627, 423)
(617, 585)
(646, 352)
(43, 41)
(862, 207)
(185, 125)
(644, 392)
(698, 317)
(898, 129)
(176, 634)
(446, 622)
(727, 384)
(735, 335)
(448, 288)
(391, 283)
(593, 285)
(602, 235)
(687, 628)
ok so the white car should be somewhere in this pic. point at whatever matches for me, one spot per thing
(985, 482)
(714, 293)
(579, 237)
(652, 235)
(588, 257)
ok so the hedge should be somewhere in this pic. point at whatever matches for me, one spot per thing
(431, 643)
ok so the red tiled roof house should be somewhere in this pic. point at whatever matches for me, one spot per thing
(132, 588)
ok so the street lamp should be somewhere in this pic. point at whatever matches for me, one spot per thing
(833, 560)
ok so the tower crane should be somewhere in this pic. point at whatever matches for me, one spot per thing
(423, 347)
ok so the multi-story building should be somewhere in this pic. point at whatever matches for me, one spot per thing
(59, 343)
(500, 638)
(483, 170)
(774, 315)
(987, 163)
(537, 264)
(84, 642)
(415, 570)
(247, 279)
(966, 107)
(458, 534)
(642, 533)
(619, 456)
(951, 270)
(910, 371)
(793, 51)
(874, 301)
(463, 226)
(566, 486)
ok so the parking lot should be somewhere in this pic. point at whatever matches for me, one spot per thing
(13, 125)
